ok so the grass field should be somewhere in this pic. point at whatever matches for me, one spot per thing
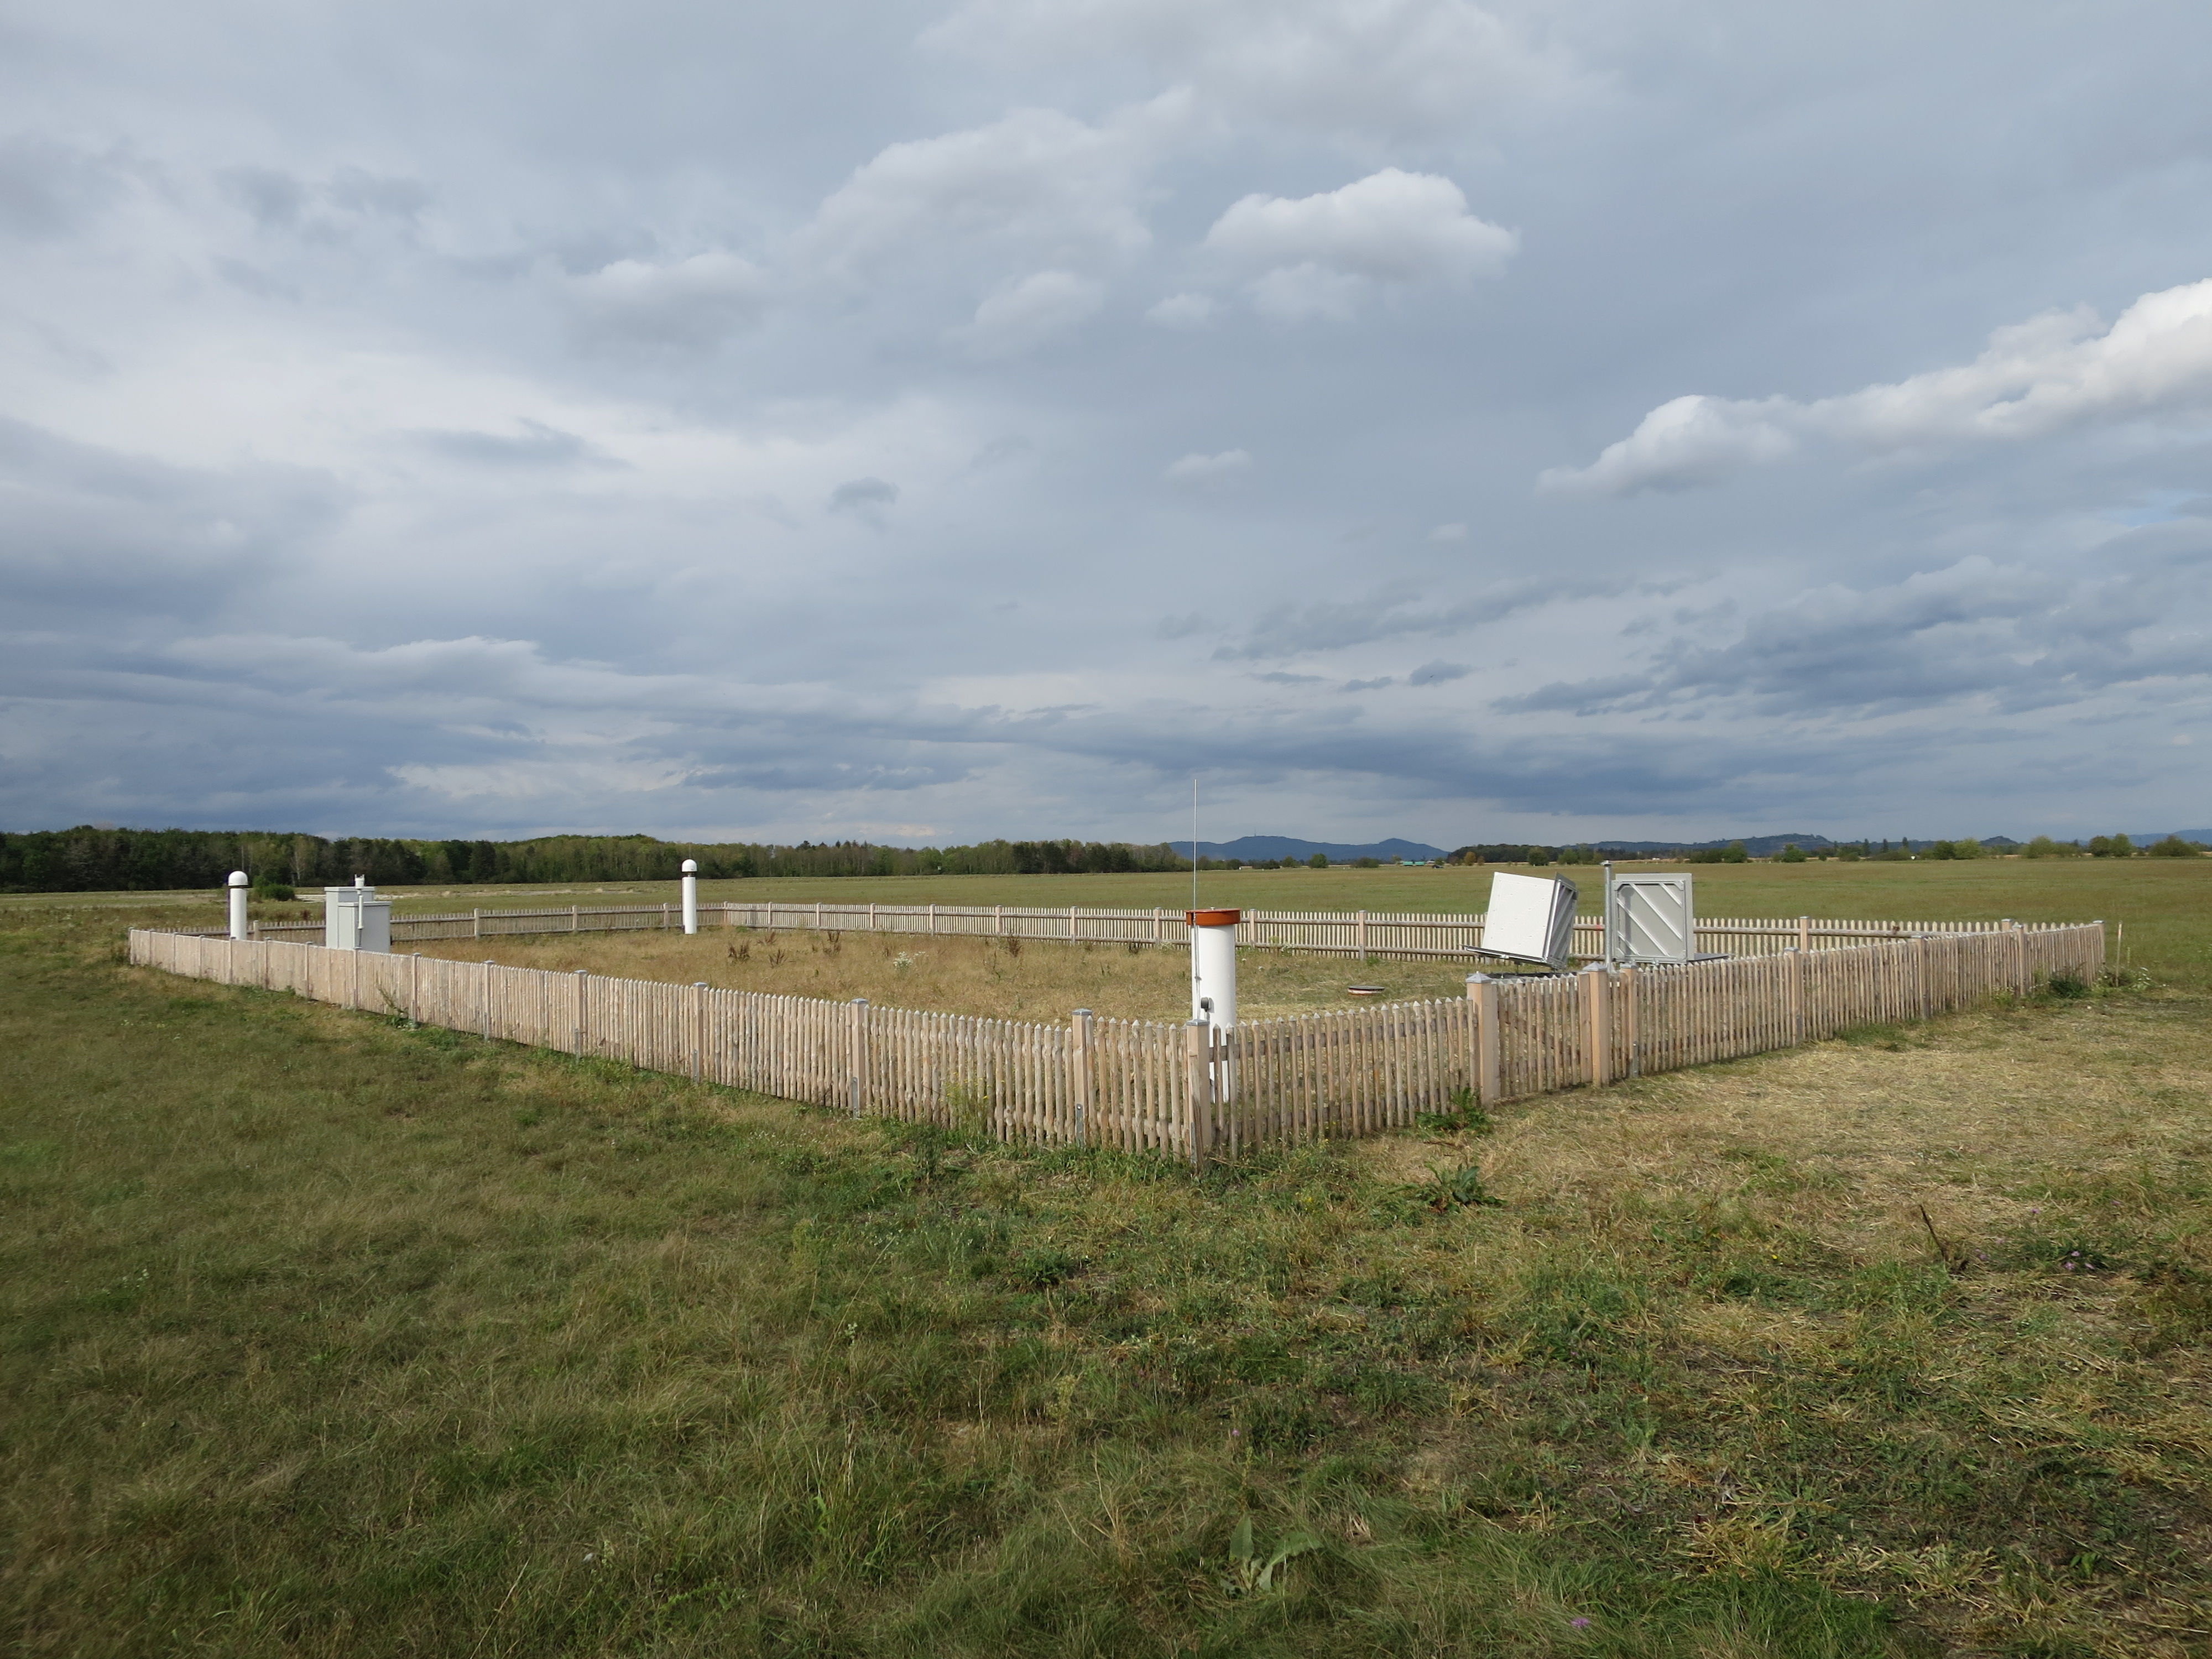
(2165, 903)
(327, 1336)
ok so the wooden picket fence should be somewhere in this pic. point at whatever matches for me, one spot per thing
(1355, 934)
(1179, 1089)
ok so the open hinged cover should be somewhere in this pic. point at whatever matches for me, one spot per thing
(1531, 918)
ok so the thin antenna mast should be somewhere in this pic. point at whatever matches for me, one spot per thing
(1193, 841)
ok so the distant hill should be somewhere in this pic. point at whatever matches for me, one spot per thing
(1253, 848)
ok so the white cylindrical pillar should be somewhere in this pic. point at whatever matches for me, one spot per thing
(1214, 966)
(1214, 987)
(238, 885)
(691, 896)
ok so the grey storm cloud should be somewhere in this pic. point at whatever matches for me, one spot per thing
(1399, 443)
(536, 445)
(855, 493)
(48, 187)
(94, 531)
(2014, 636)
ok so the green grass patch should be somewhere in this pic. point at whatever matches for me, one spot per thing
(325, 1334)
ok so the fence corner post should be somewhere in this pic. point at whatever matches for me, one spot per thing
(857, 1058)
(1597, 1007)
(582, 976)
(1198, 1085)
(1078, 1069)
(1482, 992)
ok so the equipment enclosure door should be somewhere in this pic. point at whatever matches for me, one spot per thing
(1651, 919)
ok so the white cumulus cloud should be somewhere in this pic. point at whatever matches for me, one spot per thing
(1385, 67)
(2036, 378)
(1031, 310)
(688, 302)
(1193, 467)
(1045, 184)
(1321, 255)
(1184, 311)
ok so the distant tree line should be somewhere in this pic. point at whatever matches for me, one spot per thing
(92, 859)
(1518, 853)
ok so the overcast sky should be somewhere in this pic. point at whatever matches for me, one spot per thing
(927, 422)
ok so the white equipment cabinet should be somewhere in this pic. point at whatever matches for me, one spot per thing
(354, 919)
(1531, 918)
(1650, 919)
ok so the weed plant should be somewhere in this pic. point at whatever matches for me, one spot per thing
(325, 1336)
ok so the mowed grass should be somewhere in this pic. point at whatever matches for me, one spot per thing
(2165, 903)
(324, 1335)
(1002, 979)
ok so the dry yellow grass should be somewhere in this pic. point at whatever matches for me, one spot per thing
(1002, 979)
(1850, 1140)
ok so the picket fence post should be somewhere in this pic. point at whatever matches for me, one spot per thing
(857, 1055)
(1197, 1085)
(1597, 1009)
(1631, 1014)
(1482, 992)
(1079, 1071)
